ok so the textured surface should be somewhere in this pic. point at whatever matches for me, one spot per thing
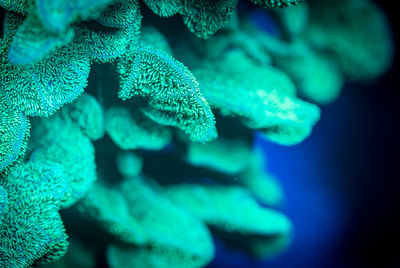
(171, 89)
(132, 131)
(43, 88)
(32, 230)
(148, 218)
(60, 142)
(276, 3)
(268, 92)
(14, 133)
(87, 114)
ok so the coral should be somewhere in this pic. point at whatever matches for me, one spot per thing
(119, 257)
(58, 15)
(123, 20)
(205, 17)
(31, 42)
(172, 91)
(14, 133)
(138, 140)
(268, 91)
(61, 142)
(276, 3)
(371, 54)
(3, 202)
(234, 210)
(19, 6)
(163, 8)
(148, 218)
(133, 131)
(87, 113)
(202, 17)
(78, 256)
(43, 88)
(31, 230)
(216, 155)
(129, 164)
(263, 186)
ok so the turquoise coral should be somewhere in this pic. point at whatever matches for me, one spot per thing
(86, 112)
(133, 130)
(32, 231)
(43, 88)
(3, 202)
(163, 8)
(14, 133)
(78, 256)
(371, 54)
(57, 137)
(172, 91)
(265, 187)
(148, 218)
(32, 42)
(234, 210)
(19, 6)
(276, 3)
(144, 131)
(269, 92)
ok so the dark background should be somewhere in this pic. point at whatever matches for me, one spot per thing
(342, 184)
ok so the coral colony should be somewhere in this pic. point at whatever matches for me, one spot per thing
(127, 127)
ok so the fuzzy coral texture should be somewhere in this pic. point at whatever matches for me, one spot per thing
(130, 125)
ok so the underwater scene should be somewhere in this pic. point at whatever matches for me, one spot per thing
(199, 133)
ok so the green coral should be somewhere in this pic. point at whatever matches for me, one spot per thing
(119, 257)
(129, 164)
(228, 156)
(161, 183)
(57, 15)
(268, 92)
(205, 17)
(43, 88)
(276, 3)
(50, 25)
(148, 218)
(133, 130)
(163, 8)
(171, 90)
(3, 202)
(264, 186)
(371, 54)
(87, 113)
(14, 133)
(124, 20)
(32, 231)
(202, 17)
(319, 78)
(19, 6)
(32, 42)
(121, 14)
(294, 20)
(233, 210)
(57, 174)
(63, 143)
(151, 36)
(78, 256)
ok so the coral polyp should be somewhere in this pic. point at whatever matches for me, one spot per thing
(127, 128)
